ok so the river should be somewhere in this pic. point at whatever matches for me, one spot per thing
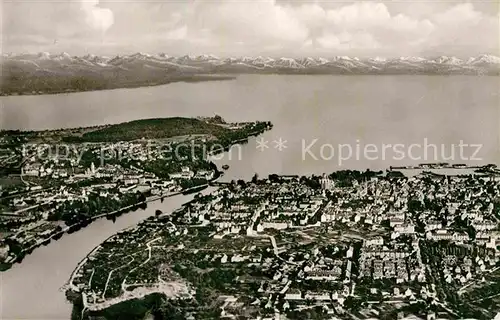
(323, 112)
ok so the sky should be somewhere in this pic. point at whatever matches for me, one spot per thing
(249, 28)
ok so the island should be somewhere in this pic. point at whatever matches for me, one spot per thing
(58, 181)
(350, 245)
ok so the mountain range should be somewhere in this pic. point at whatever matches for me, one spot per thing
(40, 71)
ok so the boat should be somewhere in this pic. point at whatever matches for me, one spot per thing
(225, 167)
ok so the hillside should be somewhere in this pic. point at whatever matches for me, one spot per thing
(45, 73)
(155, 128)
(158, 128)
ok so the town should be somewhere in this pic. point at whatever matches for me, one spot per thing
(56, 182)
(349, 245)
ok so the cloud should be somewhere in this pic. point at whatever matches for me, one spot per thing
(259, 23)
(370, 26)
(462, 28)
(346, 41)
(358, 26)
(96, 17)
(459, 14)
(359, 15)
(177, 34)
(235, 27)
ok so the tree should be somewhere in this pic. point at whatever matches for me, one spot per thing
(241, 183)
(255, 178)
(274, 178)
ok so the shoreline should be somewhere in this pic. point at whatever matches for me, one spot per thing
(237, 142)
(68, 229)
(195, 78)
(233, 76)
(124, 210)
(71, 290)
(5, 266)
(152, 199)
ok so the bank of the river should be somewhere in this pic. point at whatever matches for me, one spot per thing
(111, 215)
(79, 301)
(37, 282)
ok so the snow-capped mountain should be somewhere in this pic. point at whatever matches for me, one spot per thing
(96, 60)
(45, 72)
(63, 56)
(286, 63)
(484, 59)
(312, 62)
(448, 60)
(377, 60)
(207, 57)
(141, 55)
(412, 59)
(43, 56)
(263, 60)
(207, 63)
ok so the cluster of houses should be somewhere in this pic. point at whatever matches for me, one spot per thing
(32, 204)
(394, 261)
(257, 208)
(463, 269)
(391, 217)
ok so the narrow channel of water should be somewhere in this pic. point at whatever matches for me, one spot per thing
(32, 289)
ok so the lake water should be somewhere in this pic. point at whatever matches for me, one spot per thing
(424, 115)
(428, 115)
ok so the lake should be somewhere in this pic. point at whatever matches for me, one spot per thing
(428, 115)
(318, 119)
